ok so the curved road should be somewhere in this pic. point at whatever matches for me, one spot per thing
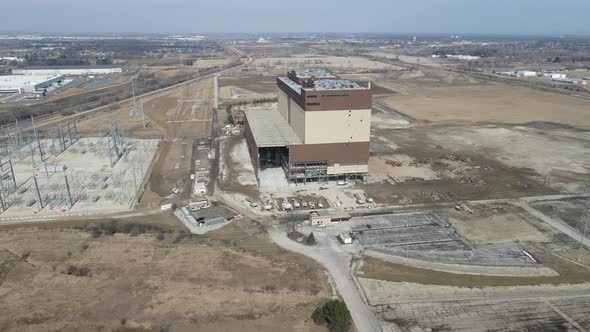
(337, 262)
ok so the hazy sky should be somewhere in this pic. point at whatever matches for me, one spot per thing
(387, 16)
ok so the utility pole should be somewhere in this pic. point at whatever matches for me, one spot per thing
(133, 90)
(585, 219)
(142, 114)
(133, 93)
(33, 122)
(69, 197)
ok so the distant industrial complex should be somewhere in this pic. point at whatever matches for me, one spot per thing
(70, 70)
(39, 79)
(28, 83)
(320, 132)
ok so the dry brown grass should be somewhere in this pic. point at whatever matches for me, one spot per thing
(234, 278)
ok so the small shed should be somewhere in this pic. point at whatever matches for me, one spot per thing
(345, 238)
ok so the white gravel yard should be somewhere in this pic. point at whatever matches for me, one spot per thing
(242, 165)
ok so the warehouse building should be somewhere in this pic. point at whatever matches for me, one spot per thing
(27, 83)
(320, 132)
(70, 70)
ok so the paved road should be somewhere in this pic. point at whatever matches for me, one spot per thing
(337, 262)
(83, 216)
(560, 226)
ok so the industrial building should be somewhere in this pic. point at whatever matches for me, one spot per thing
(555, 76)
(320, 132)
(526, 73)
(325, 217)
(27, 83)
(70, 70)
(518, 73)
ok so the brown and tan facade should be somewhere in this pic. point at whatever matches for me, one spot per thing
(331, 119)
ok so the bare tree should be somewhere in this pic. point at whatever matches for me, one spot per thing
(293, 224)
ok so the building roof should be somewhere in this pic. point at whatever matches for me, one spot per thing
(292, 84)
(22, 80)
(328, 213)
(334, 85)
(322, 85)
(74, 67)
(317, 73)
(270, 129)
(214, 221)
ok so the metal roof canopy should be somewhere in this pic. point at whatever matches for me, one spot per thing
(270, 129)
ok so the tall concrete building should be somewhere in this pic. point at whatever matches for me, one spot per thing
(321, 130)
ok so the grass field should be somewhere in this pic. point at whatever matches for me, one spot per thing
(163, 279)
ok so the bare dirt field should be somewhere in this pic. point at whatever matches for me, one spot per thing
(430, 172)
(441, 96)
(495, 224)
(153, 276)
(165, 72)
(332, 62)
(496, 103)
(210, 63)
(185, 112)
(476, 161)
(261, 85)
(559, 156)
(235, 92)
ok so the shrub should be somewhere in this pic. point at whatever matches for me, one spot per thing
(318, 315)
(96, 232)
(26, 255)
(73, 270)
(335, 314)
(132, 229)
(311, 239)
(179, 236)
